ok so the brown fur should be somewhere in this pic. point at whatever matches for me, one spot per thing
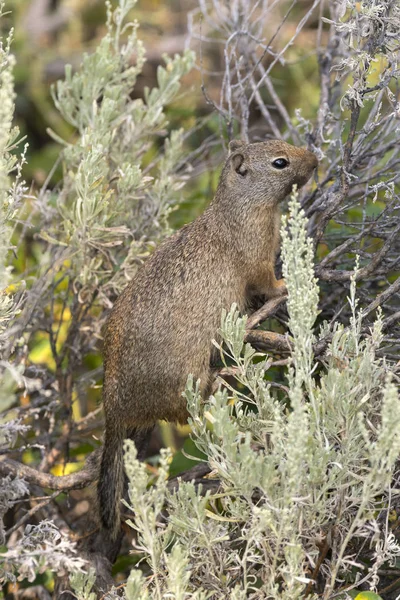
(161, 327)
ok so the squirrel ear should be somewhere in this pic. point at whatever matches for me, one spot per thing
(238, 164)
(235, 145)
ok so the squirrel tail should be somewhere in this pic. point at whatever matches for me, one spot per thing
(112, 485)
(111, 480)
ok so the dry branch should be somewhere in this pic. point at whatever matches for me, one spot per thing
(74, 481)
(266, 311)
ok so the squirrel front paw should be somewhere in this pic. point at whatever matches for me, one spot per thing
(280, 288)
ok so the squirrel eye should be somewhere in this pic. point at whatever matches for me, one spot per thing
(280, 163)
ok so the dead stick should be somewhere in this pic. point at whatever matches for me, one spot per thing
(84, 477)
(267, 310)
(30, 513)
(75, 481)
(268, 340)
(321, 557)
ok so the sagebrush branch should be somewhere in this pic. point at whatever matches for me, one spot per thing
(74, 481)
(87, 475)
(267, 310)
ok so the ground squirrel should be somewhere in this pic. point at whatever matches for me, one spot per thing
(161, 327)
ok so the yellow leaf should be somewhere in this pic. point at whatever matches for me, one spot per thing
(66, 469)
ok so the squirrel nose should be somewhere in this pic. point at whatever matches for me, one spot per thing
(312, 156)
(314, 160)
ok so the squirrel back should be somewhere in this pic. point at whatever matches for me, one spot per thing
(161, 327)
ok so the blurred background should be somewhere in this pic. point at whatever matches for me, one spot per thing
(48, 34)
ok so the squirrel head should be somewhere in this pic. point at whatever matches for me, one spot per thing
(265, 172)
